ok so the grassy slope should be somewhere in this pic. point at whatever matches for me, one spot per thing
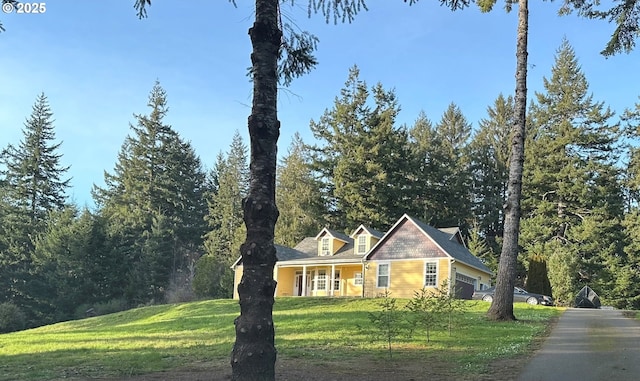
(163, 337)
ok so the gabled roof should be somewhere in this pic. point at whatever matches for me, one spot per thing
(370, 231)
(443, 240)
(335, 234)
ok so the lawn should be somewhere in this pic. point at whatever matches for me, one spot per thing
(317, 330)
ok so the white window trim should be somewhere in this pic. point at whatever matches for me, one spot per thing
(424, 274)
(321, 279)
(324, 252)
(388, 274)
(363, 244)
(336, 280)
(358, 281)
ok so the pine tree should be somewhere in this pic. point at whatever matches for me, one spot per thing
(297, 196)
(32, 187)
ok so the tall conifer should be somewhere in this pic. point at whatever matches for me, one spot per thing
(154, 204)
(33, 185)
(572, 188)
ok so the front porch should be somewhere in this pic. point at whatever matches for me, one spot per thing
(319, 280)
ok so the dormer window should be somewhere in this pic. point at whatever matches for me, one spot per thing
(324, 249)
(362, 244)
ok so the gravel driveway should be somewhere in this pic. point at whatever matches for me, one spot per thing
(588, 345)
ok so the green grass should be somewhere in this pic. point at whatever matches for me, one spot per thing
(163, 337)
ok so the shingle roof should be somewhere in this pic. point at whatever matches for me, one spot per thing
(309, 247)
(338, 235)
(284, 253)
(454, 249)
(371, 231)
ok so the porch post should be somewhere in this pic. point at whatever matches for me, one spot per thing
(304, 280)
(333, 278)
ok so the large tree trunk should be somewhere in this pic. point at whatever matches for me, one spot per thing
(254, 354)
(502, 305)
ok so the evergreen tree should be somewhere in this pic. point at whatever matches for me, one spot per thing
(154, 204)
(32, 184)
(33, 176)
(70, 259)
(230, 181)
(478, 246)
(297, 196)
(439, 168)
(537, 276)
(361, 163)
(573, 194)
(489, 166)
(627, 281)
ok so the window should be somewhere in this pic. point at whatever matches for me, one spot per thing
(362, 244)
(321, 280)
(325, 246)
(357, 279)
(431, 274)
(336, 281)
(383, 275)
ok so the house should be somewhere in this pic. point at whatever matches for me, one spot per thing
(408, 257)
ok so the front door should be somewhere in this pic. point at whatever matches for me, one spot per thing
(297, 285)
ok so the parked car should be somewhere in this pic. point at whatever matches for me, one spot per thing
(519, 295)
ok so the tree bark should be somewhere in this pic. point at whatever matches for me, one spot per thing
(254, 354)
(502, 305)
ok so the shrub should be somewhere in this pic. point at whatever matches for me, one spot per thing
(11, 318)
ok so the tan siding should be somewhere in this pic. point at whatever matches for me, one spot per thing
(347, 286)
(285, 277)
(336, 245)
(473, 273)
(444, 271)
(407, 276)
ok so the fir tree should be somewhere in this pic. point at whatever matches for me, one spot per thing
(441, 185)
(154, 204)
(33, 185)
(230, 181)
(572, 189)
(363, 150)
(489, 166)
(298, 196)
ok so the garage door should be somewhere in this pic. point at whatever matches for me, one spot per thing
(464, 286)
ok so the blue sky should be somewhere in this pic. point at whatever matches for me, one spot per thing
(97, 63)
